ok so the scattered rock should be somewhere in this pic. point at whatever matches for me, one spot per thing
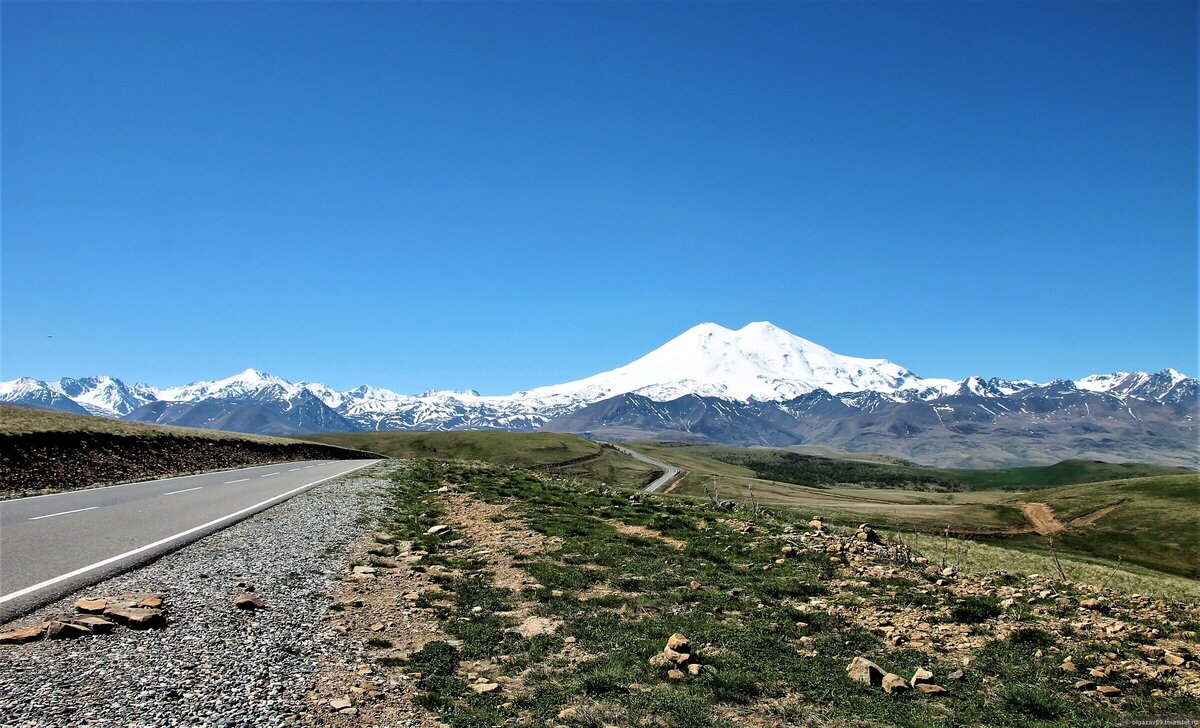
(1109, 691)
(893, 683)
(136, 617)
(19, 636)
(931, 689)
(485, 687)
(694, 669)
(956, 675)
(921, 677)
(340, 704)
(1170, 658)
(96, 625)
(364, 569)
(1084, 684)
(65, 630)
(248, 601)
(1069, 666)
(675, 674)
(439, 530)
(679, 643)
(864, 671)
(90, 606)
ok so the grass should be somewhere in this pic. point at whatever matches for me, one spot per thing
(1154, 523)
(568, 455)
(503, 448)
(1153, 529)
(748, 618)
(819, 471)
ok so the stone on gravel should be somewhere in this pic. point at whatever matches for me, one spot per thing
(95, 624)
(57, 630)
(90, 606)
(248, 601)
(19, 636)
(439, 530)
(136, 617)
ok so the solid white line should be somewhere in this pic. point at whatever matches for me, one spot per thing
(185, 490)
(168, 539)
(137, 482)
(239, 480)
(63, 513)
(268, 475)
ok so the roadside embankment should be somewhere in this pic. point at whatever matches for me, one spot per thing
(50, 451)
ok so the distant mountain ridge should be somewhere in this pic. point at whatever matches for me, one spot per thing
(754, 385)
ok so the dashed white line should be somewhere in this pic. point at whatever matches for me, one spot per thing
(268, 475)
(292, 470)
(185, 490)
(306, 467)
(239, 480)
(112, 559)
(63, 513)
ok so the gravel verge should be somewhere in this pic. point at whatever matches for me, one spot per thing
(213, 665)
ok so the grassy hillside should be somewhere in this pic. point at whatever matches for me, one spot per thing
(27, 421)
(1153, 526)
(566, 454)
(43, 451)
(1152, 522)
(572, 592)
(816, 470)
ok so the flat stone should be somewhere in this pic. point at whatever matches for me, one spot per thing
(94, 624)
(90, 606)
(377, 627)
(932, 689)
(438, 530)
(1109, 691)
(57, 630)
(342, 703)
(921, 676)
(149, 601)
(694, 668)
(1084, 684)
(364, 569)
(675, 674)
(19, 636)
(485, 687)
(136, 617)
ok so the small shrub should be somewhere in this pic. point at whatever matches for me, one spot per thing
(974, 610)
(1033, 701)
(1031, 636)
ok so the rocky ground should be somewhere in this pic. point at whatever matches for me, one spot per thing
(213, 664)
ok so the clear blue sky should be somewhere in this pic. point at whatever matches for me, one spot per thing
(506, 195)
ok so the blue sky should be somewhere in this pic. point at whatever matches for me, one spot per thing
(505, 195)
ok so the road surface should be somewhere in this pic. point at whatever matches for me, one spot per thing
(53, 545)
(669, 470)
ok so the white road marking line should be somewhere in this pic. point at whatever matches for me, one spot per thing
(168, 539)
(292, 470)
(63, 513)
(185, 490)
(239, 480)
(268, 475)
(306, 467)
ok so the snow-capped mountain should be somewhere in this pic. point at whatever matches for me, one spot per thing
(758, 371)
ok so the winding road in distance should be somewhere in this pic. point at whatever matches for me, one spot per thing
(669, 470)
(53, 545)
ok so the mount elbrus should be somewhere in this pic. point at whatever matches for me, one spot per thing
(758, 385)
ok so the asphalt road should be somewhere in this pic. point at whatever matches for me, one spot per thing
(53, 545)
(669, 470)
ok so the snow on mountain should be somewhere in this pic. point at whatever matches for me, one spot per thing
(758, 363)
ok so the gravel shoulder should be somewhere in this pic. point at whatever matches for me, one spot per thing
(213, 665)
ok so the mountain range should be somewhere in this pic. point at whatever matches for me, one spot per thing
(758, 385)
